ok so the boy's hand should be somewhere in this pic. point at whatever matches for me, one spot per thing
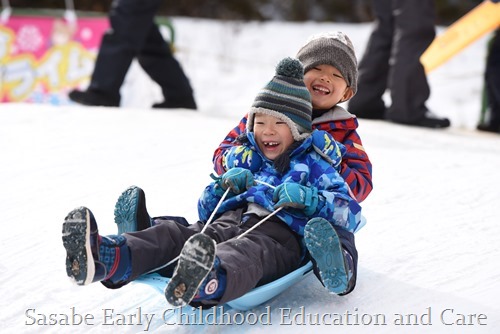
(237, 179)
(241, 156)
(296, 196)
(328, 147)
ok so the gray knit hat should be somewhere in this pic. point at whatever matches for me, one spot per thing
(287, 98)
(331, 48)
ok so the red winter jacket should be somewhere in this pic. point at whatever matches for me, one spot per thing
(356, 168)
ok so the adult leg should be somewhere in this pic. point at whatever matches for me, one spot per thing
(374, 66)
(130, 21)
(492, 77)
(157, 60)
(414, 31)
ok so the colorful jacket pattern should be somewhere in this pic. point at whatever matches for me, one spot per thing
(307, 168)
(355, 168)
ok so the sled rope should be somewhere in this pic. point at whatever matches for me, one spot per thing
(202, 231)
(259, 223)
(266, 184)
(212, 217)
(215, 210)
(264, 219)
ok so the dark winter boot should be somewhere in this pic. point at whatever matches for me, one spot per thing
(195, 263)
(94, 98)
(131, 213)
(332, 261)
(174, 103)
(90, 257)
(429, 120)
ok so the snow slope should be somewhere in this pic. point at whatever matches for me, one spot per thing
(428, 254)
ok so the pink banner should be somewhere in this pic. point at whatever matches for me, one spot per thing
(42, 58)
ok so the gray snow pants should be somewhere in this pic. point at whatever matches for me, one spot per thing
(263, 255)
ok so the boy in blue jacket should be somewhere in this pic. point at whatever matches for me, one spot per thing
(295, 181)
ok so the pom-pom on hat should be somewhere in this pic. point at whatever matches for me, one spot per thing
(331, 48)
(287, 98)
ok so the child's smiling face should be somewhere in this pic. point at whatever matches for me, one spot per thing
(272, 135)
(327, 86)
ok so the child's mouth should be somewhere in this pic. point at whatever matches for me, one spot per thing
(321, 89)
(270, 144)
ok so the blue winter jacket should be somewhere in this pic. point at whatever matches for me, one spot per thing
(307, 168)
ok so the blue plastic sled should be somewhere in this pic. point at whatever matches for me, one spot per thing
(256, 296)
(251, 299)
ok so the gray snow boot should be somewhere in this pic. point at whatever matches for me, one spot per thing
(195, 263)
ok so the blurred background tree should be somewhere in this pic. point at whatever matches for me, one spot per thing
(285, 10)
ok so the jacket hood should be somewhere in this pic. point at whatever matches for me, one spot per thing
(342, 118)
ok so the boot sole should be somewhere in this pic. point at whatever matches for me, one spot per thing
(76, 240)
(324, 246)
(126, 210)
(195, 262)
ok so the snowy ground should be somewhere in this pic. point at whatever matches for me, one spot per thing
(429, 252)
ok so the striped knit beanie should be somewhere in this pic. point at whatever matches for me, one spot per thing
(332, 48)
(287, 98)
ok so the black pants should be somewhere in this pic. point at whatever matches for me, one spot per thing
(492, 77)
(134, 34)
(263, 255)
(403, 31)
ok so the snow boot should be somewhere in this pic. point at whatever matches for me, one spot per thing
(94, 98)
(89, 256)
(130, 211)
(195, 263)
(214, 285)
(187, 102)
(332, 261)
